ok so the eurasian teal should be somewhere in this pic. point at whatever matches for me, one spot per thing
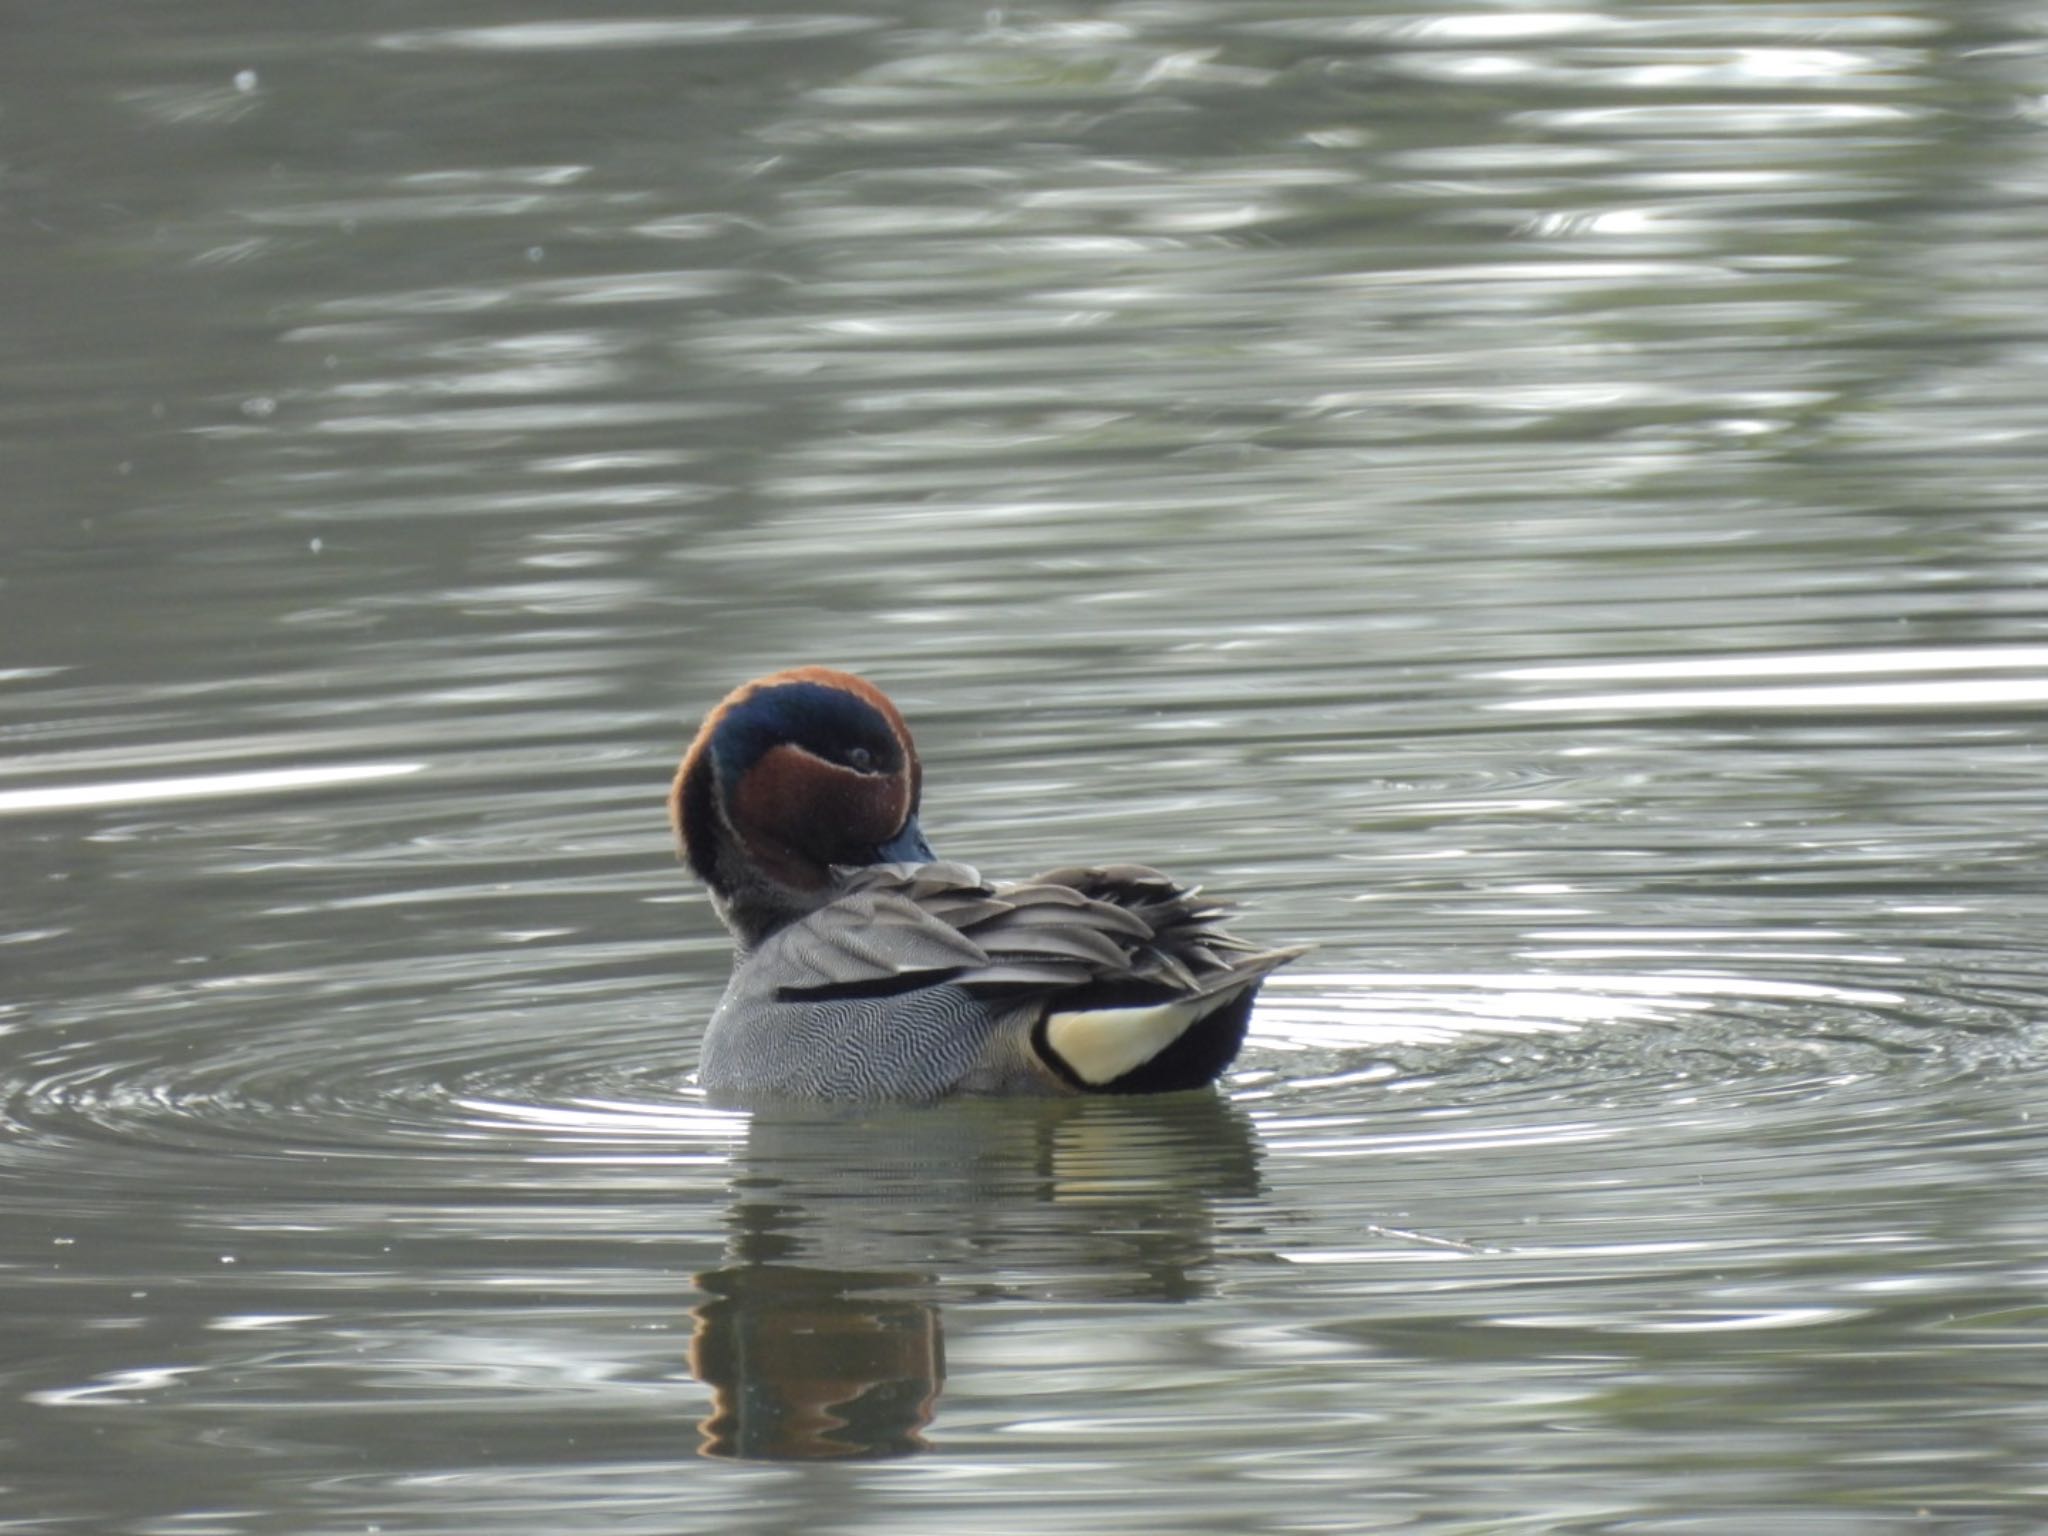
(867, 968)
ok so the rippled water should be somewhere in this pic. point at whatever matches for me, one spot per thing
(1551, 506)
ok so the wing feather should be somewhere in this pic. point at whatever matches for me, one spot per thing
(897, 927)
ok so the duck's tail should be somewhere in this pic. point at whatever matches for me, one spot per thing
(1158, 1045)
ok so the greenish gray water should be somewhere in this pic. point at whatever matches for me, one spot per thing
(1550, 506)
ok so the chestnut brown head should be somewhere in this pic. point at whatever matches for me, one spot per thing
(791, 776)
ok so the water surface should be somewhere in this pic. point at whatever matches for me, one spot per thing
(1548, 506)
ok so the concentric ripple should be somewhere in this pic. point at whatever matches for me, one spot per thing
(414, 1082)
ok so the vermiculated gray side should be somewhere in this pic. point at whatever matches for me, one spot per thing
(917, 1045)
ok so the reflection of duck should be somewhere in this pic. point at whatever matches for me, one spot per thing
(822, 1337)
(869, 971)
(810, 1365)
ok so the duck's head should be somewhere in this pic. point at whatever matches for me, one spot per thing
(790, 776)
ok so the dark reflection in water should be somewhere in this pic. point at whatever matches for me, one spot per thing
(810, 1359)
(813, 1365)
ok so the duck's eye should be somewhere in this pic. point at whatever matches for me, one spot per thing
(860, 759)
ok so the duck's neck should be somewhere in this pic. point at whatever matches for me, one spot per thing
(754, 905)
(752, 923)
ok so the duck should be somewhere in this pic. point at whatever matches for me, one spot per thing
(866, 968)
